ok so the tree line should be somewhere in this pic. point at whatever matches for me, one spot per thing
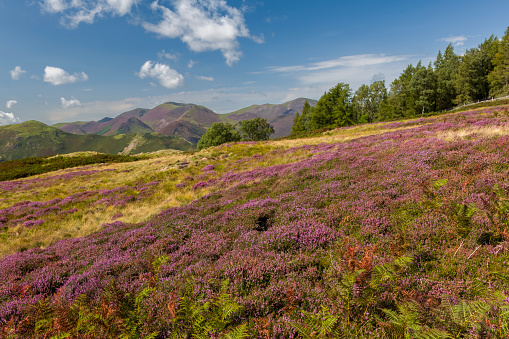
(481, 73)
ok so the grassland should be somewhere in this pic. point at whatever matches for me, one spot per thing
(387, 230)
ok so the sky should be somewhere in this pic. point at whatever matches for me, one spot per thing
(82, 60)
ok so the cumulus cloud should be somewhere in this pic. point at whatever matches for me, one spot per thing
(8, 118)
(71, 103)
(455, 40)
(191, 63)
(78, 11)
(57, 76)
(10, 103)
(202, 26)
(17, 72)
(167, 76)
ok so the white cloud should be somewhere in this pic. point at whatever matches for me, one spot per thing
(17, 72)
(167, 76)
(54, 6)
(259, 39)
(354, 70)
(71, 103)
(191, 63)
(91, 111)
(10, 103)
(202, 25)
(78, 11)
(201, 77)
(57, 76)
(361, 60)
(455, 40)
(169, 56)
(8, 118)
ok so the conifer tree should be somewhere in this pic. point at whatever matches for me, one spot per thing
(472, 78)
(446, 68)
(499, 78)
(334, 108)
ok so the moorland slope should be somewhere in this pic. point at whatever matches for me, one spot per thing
(385, 230)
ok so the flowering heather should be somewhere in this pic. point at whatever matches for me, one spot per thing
(396, 234)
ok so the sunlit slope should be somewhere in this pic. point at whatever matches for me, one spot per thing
(407, 217)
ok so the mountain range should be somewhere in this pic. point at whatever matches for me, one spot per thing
(168, 126)
(188, 121)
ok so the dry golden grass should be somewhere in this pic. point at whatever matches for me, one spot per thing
(465, 133)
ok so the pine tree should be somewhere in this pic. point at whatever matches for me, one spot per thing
(334, 108)
(499, 78)
(423, 88)
(472, 78)
(446, 68)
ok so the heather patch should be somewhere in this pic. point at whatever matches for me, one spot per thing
(368, 236)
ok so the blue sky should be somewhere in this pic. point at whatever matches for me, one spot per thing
(69, 60)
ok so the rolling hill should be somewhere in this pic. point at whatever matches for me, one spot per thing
(33, 138)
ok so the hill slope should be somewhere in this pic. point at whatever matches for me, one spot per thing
(33, 138)
(362, 230)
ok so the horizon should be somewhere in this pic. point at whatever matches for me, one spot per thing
(102, 58)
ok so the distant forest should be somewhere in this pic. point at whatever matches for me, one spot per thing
(451, 80)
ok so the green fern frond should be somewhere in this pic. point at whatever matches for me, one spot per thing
(159, 261)
(467, 314)
(433, 334)
(320, 325)
(152, 335)
(439, 183)
(402, 261)
(406, 319)
(238, 332)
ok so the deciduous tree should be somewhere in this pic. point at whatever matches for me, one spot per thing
(256, 129)
(219, 133)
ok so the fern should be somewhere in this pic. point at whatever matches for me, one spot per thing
(238, 332)
(470, 314)
(213, 318)
(433, 334)
(158, 262)
(320, 325)
(134, 319)
(464, 316)
(405, 321)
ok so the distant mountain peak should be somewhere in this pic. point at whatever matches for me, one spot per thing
(188, 120)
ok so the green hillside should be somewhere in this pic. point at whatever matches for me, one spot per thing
(34, 139)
